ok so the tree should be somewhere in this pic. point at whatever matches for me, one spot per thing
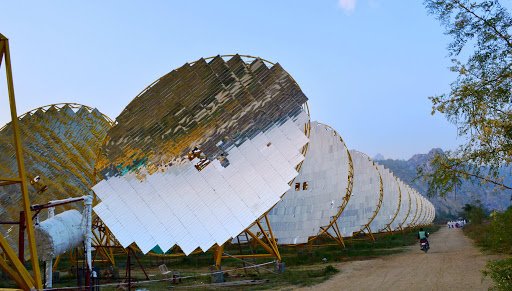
(475, 213)
(479, 101)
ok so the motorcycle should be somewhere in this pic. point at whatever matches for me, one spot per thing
(424, 245)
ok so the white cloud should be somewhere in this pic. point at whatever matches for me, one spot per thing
(347, 5)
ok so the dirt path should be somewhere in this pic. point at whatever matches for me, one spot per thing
(452, 263)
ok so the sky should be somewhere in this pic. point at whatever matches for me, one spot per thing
(367, 66)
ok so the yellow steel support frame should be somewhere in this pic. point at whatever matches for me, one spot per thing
(412, 225)
(22, 272)
(401, 226)
(268, 243)
(388, 226)
(425, 217)
(379, 205)
(337, 237)
(18, 273)
(103, 236)
(56, 263)
(13, 274)
(417, 222)
(219, 250)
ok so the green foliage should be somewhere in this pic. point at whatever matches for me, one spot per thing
(308, 277)
(304, 264)
(500, 231)
(474, 213)
(501, 273)
(495, 235)
(479, 102)
(441, 175)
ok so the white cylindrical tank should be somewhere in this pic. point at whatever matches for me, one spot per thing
(59, 234)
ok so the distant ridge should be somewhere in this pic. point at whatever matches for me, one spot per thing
(490, 197)
(378, 157)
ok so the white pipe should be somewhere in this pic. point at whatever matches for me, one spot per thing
(49, 261)
(88, 229)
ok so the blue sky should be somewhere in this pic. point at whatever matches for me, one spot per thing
(367, 66)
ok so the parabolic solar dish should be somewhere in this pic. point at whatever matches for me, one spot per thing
(404, 206)
(364, 200)
(60, 146)
(431, 213)
(413, 216)
(433, 216)
(201, 154)
(424, 208)
(390, 201)
(317, 195)
(409, 214)
(421, 215)
(420, 210)
(426, 211)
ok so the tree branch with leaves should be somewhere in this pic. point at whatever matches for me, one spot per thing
(480, 99)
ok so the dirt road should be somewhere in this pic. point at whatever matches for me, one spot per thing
(453, 263)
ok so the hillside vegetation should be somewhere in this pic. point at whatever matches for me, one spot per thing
(492, 198)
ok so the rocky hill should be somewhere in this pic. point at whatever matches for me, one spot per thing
(490, 197)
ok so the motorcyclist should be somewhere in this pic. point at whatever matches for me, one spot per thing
(422, 236)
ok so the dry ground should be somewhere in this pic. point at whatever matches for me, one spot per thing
(453, 263)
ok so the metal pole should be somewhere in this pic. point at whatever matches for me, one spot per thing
(49, 263)
(129, 266)
(88, 238)
(21, 168)
(21, 238)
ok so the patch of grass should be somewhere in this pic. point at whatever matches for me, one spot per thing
(309, 277)
(356, 249)
(494, 234)
(501, 273)
(305, 265)
(299, 277)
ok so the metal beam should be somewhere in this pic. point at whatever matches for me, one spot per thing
(13, 274)
(21, 169)
(219, 250)
(260, 242)
(18, 266)
(248, 256)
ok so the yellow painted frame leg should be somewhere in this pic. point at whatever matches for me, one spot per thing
(37, 282)
(13, 274)
(219, 250)
(19, 268)
(269, 243)
(338, 236)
